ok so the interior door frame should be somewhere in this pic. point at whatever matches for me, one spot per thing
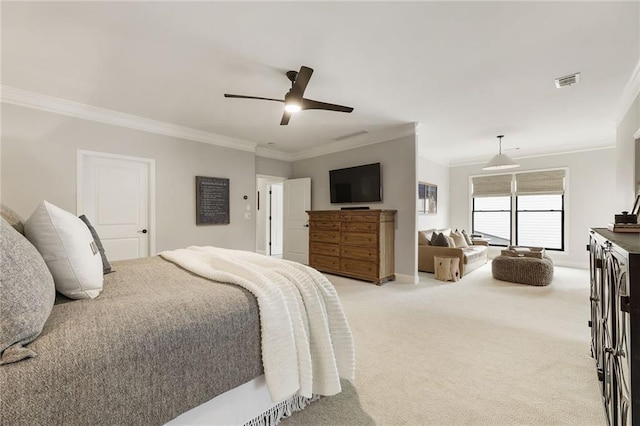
(82, 154)
(269, 179)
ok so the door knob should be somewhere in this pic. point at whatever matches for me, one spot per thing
(306, 225)
(144, 231)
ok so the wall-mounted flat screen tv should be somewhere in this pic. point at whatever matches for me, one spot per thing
(359, 184)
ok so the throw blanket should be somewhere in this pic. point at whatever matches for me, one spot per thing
(307, 344)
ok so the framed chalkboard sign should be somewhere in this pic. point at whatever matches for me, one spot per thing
(212, 201)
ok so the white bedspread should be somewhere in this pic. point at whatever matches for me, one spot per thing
(307, 345)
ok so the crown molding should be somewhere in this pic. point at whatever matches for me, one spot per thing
(273, 153)
(27, 99)
(535, 155)
(357, 142)
(629, 94)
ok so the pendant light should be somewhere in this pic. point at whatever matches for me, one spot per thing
(500, 161)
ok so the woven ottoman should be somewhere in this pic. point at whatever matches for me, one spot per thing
(523, 270)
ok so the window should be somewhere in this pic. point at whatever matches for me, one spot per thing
(525, 209)
(539, 221)
(492, 218)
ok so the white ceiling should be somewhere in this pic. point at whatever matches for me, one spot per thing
(465, 71)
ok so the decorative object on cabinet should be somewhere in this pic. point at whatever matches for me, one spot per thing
(427, 198)
(624, 227)
(354, 243)
(615, 322)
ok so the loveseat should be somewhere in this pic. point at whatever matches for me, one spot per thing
(471, 257)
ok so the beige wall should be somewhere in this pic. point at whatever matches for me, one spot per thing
(272, 167)
(589, 199)
(39, 155)
(398, 165)
(626, 173)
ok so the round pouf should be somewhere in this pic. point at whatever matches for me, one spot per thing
(523, 270)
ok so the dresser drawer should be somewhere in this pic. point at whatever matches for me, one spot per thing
(362, 253)
(360, 217)
(359, 226)
(359, 267)
(324, 262)
(325, 236)
(321, 225)
(359, 239)
(324, 248)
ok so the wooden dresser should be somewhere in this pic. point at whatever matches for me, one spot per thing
(354, 243)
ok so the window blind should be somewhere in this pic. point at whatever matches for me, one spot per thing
(536, 183)
(492, 186)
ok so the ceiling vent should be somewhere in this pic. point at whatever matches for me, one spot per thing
(568, 80)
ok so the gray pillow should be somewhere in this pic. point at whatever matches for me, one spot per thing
(106, 266)
(28, 293)
(12, 218)
(439, 240)
(467, 238)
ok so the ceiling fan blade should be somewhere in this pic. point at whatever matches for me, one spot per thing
(227, 95)
(302, 80)
(311, 104)
(285, 118)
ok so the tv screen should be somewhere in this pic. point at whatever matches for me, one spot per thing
(359, 184)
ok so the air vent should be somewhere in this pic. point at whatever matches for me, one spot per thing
(567, 80)
(351, 135)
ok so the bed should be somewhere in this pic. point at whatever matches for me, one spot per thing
(159, 344)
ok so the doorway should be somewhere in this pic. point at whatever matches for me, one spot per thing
(270, 215)
(117, 194)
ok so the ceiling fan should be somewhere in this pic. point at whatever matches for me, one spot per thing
(293, 100)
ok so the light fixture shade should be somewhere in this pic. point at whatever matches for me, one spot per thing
(500, 161)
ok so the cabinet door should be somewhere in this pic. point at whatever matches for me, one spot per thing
(596, 261)
(622, 346)
(607, 339)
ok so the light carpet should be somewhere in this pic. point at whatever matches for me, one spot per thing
(475, 352)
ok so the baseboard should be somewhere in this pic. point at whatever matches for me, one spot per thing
(571, 264)
(407, 279)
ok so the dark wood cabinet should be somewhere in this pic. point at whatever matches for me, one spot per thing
(615, 321)
(354, 243)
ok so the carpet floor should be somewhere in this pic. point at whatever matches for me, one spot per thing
(475, 352)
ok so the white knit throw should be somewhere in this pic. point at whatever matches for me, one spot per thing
(307, 345)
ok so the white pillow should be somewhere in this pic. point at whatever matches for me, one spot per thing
(68, 249)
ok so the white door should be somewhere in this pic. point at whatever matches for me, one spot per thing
(115, 193)
(276, 210)
(297, 200)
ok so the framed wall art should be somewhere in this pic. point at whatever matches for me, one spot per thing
(427, 198)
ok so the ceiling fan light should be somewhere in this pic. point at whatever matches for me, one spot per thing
(292, 107)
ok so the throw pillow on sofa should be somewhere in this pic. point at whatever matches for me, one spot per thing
(27, 291)
(467, 238)
(459, 240)
(440, 240)
(68, 249)
(423, 240)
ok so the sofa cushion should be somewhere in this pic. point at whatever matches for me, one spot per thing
(473, 253)
(28, 293)
(68, 249)
(440, 240)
